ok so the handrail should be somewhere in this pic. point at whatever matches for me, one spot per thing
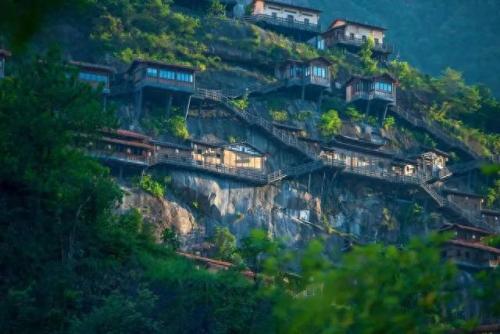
(283, 22)
(385, 47)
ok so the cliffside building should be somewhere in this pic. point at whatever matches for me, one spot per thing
(299, 22)
(351, 35)
(157, 82)
(97, 76)
(4, 54)
(466, 248)
(237, 155)
(311, 75)
(375, 93)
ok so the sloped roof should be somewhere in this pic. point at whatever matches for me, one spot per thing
(161, 64)
(289, 5)
(344, 22)
(371, 78)
(93, 67)
(447, 227)
(475, 245)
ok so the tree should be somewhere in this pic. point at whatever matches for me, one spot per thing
(225, 244)
(375, 289)
(217, 9)
(330, 123)
(178, 127)
(365, 54)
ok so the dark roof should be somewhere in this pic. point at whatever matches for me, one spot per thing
(463, 227)
(5, 53)
(367, 25)
(371, 78)
(460, 192)
(306, 61)
(93, 67)
(284, 4)
(357, 141)
(126, 133)
(337, 144)
(244, 143)
(169, 144)
(491, 212)
(475, 245)
(160, 64)
(204, 142)
(287, 126)
(435, 150)
(126, 142)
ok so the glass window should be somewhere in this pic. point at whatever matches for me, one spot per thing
(152, 72)
(168, 75)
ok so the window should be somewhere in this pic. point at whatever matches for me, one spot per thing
(383, 86)
(186, 77)
(87, 76)
(152, 72)
(167, 75)
(321, 44)
(319, 71)
(308, 71)
(351, 35)
(290, 18)
(306, 21)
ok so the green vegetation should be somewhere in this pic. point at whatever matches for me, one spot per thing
(493, 195)
(354, 115)
(178, 127)
(389, 122)
(217, 9)
(278, 115)
(365, 54)
(330, 123)
(225, 245)
(241, 103)
(152, 186)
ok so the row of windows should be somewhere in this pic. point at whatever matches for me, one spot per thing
(93, 77)
(380, 86)
(364, 38)
(385, 87)
(316, 71)
(169, 75)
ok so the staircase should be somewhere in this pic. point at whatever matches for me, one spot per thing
(282, 136)
(295, 171)
(434, 129)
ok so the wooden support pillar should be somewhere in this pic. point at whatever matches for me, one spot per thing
(385, 112)
(320, 100)
(187, 107)
(309, 184)
(138, 104)
(367, 113)
(169, 105)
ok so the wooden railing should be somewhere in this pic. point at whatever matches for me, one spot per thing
(382, 47)
(284, 22)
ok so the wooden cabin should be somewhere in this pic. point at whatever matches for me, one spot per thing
(367, 88)
(95, 75)
(465, 233)
(465, 200)
(237, 155)
(296, 21)
(123, 144)
(313, 72)
(351, 35)
(434, 159)
(172, 150)
(243, 155)
(404, 167)
(157, 82)
(471, 254)
(4, 54)
(206, 153)
(491, 217)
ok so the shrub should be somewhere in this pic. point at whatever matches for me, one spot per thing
(279, 115)
(353, 114)
(330, 123)
(389, 122)
(178, 127)
(151, 186)
(241, 103)
(217, 9)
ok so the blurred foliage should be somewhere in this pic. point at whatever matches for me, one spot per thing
(330, 123)
(366, 55)
(150, 185)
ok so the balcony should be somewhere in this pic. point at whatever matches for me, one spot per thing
(284, 22)
(142, 79)
(373, 95)
(358, 42)
(317, 81)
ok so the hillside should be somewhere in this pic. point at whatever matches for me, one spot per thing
(165, 168)
(433, 36)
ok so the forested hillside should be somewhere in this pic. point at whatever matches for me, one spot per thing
(433, 35)
(204, 193)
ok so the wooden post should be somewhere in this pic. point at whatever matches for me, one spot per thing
(169, 105)
(138, 104)
(385, 112)
(320, 100)
(367, 109)
(187, 107)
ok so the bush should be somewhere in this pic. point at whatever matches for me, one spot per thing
(330, 123)
(279, 116)
(178, 127)
(353, 114)
(151, 186)
(241, 103)
(389, 122)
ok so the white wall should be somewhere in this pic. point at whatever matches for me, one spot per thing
(360, 31)
(262, 8)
